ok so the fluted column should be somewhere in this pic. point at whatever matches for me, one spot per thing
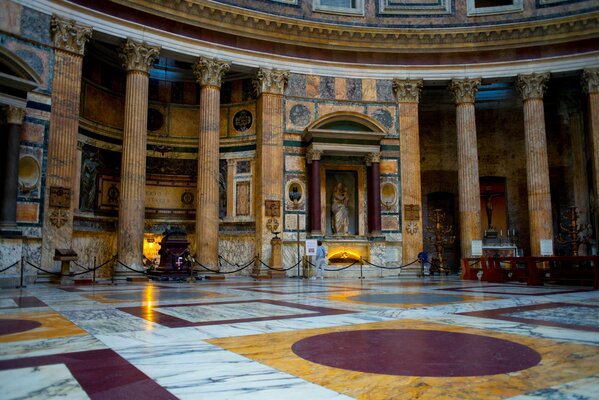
(531, 88)
(69, 43)
(407, 94)
(590, 80)
(464, 92)
(313, 159)
(374, 193)
(209, 74)
(137, 61)
(12, 120)
(270, 85)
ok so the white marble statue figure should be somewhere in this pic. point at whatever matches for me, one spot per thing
(340, 210)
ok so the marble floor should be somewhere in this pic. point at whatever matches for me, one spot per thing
(393, 338)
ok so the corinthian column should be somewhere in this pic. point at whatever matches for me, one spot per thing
(12, 119)
(531, 88)
(137, 61)
(407, 94)
(464, 92)
(590, 80)
(209, 74)
(69, 42)
(270, 85)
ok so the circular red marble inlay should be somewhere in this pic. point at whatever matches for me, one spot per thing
(9, 326)
(414, 352)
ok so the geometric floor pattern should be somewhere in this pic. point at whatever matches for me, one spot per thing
(393, 338)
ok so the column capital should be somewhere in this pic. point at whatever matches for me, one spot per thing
(372, 158)
(464, 90)
(313, 155)
(13, 115)
(532, 86)
(271, 81)
(69, 35)
(138, 56)
(210, 72)
(407, 90)
(590, 80)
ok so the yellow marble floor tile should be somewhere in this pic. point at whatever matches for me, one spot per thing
(560, 363)
(53, 326)
(346, 297)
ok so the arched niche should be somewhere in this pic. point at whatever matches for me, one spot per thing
(17, 78)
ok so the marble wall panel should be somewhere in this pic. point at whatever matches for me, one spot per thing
(295, 163)
(298, 115)
(246, 127)
(386, 116)
(313, 86)
(341, 88)
(10, 253)
(10, 17)
(184, 121)
(384, 91)
(328, 108)
(35, 25)
(353, 89)
(296, 85)
(291, 221)
(33, 132)
(238, 248)
(369, 90)
(224, 122)
(103, 107)
(28, 212)
(390, 222)
(389, 167)
(101, 245)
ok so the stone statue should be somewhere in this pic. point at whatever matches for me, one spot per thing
(88, 182)
(340, 210)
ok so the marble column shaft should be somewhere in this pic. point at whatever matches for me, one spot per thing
(590, 80)
(9, 171)
(464, 91)
(270, 85)
(69, 41)
(209, 74)
(374, 194)
(407, 93)
(531, 88)
(313, 158)
(138, 59)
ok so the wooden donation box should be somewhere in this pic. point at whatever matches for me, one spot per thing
(174, 254)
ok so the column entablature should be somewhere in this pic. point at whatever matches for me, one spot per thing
(138, 56)
(407, 90)
(464, 90)
(210, 71)
(68, 35)
(590, 80)
(271, 81)
(532, 86)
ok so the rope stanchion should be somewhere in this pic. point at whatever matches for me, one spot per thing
(22, 272)
(235, 264)
(220, 272)
(280, 270)
(398, 267)
(131, 269)
(46, 271)
(9, 267)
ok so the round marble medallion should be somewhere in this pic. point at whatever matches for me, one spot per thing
(10, 326)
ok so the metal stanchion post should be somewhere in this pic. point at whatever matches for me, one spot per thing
(22, 271)
(113, 270)
(361, 264)
(94, 272)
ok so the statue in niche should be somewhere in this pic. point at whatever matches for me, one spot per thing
(489, 207)
(340, 210)
(88, 182)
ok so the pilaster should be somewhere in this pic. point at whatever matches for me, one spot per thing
(531, 88)
(590, 81)
(407, 94)
(69, 44)
(137, 61)
(209, 74)
(270, 85)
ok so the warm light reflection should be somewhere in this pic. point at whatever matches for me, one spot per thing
(344, 255)
(149, 314)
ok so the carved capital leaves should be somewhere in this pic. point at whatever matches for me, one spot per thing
(590, 80)
(372, 158)
(210, 72)
(13, 115)
(313, 155)
(68, 35)
(532, 86)
(138, 56)
(464, 90)
(271, 81)
(407, 90)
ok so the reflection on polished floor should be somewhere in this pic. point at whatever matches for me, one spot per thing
(403, 338)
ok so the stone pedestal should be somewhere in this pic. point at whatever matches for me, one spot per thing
(464, 92)
(209, 74)
(174, 257)
(531, 88)
(407, 94)
(276, 259)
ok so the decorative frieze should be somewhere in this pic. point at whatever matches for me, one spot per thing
(271, 81)
(69, 35)
(210, 71)
(464, 90)
(138, 56)
(590, 80)
(532, 86)
(13, 115)
(407, 90)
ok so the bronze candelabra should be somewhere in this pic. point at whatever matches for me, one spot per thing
(575, 235)
(441, 237)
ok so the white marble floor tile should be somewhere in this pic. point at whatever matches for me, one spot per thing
(40, 383)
